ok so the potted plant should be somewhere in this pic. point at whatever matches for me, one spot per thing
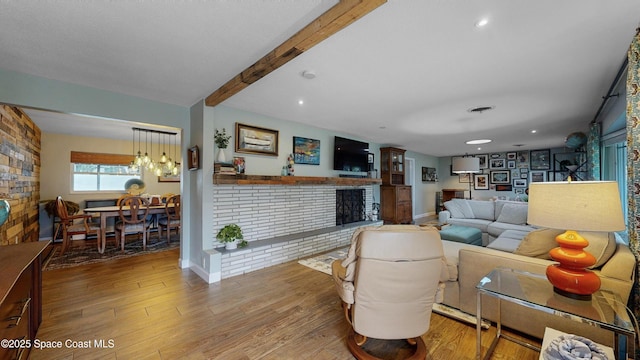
(222, 141)
(229, 236)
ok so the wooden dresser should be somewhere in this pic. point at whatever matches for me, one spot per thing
(20, 292)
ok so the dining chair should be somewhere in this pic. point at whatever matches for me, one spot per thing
(171, 219)
(133, 213)
(70, 226)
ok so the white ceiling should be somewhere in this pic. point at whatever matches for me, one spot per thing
(404, 75)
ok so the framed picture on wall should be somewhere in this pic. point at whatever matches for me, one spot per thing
(540, 159)
(256, 140)
(537, 176)
(481, 181)
(483, 161)
(464, 178)
(519, 183)
(523, 159)
(501, 177)
(193, 158)
(306, 151)
(497, 164)
(429, 174)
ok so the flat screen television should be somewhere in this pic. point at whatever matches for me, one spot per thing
(350, 155)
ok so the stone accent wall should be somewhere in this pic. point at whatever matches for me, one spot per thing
(267, 211)
(19, 175)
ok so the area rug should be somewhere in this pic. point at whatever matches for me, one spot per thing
(323, 262)
(78, 255)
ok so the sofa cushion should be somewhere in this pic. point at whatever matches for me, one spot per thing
(509, 240)
(513, 214)
(459, 208)
(496, 228)
(483, 209)
(538, 243)
(501, 203)
(476, 223)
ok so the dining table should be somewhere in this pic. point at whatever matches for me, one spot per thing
(106, 212)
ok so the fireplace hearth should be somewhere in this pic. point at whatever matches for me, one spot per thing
(350, 206)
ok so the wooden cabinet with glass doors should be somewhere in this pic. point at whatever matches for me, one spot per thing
(392, 166)
(395, 196)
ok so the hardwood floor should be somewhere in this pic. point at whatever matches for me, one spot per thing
(148, 308)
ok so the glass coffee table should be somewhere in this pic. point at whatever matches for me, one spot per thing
(605, 310)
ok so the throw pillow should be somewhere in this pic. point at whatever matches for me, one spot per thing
(602, 245)
(513, 214)
(538, 243)
(459, 208)
(482, 209)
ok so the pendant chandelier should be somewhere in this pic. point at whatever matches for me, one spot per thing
(165, 165)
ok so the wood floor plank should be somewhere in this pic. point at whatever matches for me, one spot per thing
(152, 309)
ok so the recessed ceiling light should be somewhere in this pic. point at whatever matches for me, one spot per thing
(477, 142)
(482, 22)
(300, 102)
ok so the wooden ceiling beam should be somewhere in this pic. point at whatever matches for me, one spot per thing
(330, 22)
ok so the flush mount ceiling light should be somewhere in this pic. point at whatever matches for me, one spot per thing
(480, 109)
(478, 141)
(308, 74)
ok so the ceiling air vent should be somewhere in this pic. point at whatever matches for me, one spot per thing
(480, 109)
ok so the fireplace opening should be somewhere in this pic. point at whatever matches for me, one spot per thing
(350, 206)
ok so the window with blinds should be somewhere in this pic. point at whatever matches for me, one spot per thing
(96, 172)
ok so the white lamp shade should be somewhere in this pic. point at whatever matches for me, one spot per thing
(577, 205)
(468, 164)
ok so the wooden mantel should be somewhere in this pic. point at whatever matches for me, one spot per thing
(291, 180)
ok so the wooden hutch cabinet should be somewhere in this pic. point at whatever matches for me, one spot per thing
(395, 196)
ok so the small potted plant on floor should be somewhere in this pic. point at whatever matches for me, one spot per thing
(229, 236)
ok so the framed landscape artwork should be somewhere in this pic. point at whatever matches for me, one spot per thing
(501, 177)
(256, 140)
(306, 151)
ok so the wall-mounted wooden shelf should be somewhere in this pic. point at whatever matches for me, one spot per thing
(291, 180)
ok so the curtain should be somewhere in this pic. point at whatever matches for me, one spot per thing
(633, 160)
(593, 151)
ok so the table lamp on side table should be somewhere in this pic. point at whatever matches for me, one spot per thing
(578, 206)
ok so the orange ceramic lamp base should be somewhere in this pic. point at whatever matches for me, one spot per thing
(570, 277)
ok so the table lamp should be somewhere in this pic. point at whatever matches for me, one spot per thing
(466, 165)
(576, 206)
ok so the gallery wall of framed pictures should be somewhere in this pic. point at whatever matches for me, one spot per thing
(515, 171)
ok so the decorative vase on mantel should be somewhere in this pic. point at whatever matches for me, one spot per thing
(221, 158)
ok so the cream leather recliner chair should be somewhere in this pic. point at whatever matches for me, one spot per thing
(388, 284)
